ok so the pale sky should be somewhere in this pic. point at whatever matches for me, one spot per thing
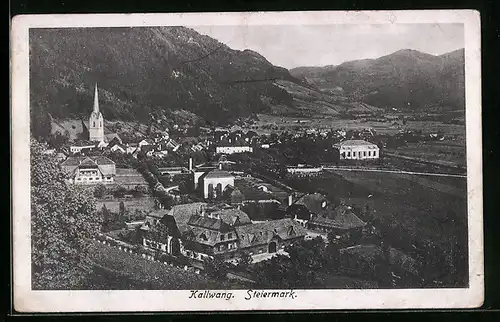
(293, 46)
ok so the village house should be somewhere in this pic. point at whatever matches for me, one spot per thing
(145, 142)
(60, 157)
(304, 170)
(268, 236)
(233, 145)
(82, 146)
(199, 230)
(89, 170)
(118, 148)
(357, 150)
(341, 221)
(306, 206)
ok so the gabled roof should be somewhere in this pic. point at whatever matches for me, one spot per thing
(341, 217)
(299, 210)
(263, 232)
(233, 216)
(158, 213)
(83, 143)
(313, 202)
(216, 173)
(182, 213)
(208, 223)
(354, 143)
(148, 141)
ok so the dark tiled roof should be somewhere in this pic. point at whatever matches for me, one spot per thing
(263, 232)
(158, 213)
(300, 211)
(341, 217)
(83, 143)
(313, 202)
(208, 223)
(354, 143)
(95, 160)
(182, 213)
(233, 216)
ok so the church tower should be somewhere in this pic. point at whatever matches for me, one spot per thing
(96, 121)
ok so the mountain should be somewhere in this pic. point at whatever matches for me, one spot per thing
(150, 71)
(406, 79)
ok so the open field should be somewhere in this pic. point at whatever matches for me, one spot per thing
(416, 213)
(447, 153)
(116, 269)
(455, 132)
(131, 204)
(129, 178)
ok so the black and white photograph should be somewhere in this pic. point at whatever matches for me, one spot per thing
(274, 161)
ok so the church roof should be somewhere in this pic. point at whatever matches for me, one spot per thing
(215, 174)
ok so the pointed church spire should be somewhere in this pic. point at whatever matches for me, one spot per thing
(96, 100)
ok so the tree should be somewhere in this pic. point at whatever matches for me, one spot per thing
(122, 210)
(63, 218)
(100, 191)
(215, 268)
(140, 191)
(245, 260)
(120, 191)
(41, 123)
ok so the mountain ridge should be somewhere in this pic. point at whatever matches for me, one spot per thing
(404, 79)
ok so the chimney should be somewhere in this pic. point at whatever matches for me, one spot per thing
(290, 200)
(190, 164)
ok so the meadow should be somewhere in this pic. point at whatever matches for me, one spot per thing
(117, 270)
(423, 216)
(145, 204)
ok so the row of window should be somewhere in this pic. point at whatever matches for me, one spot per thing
(91, 179)
(229, 236)
(229, 246)
(196, 255)
(363, 153)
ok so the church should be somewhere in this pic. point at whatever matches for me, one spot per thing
(93, 131)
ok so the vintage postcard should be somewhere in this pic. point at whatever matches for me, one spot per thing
(247, 161)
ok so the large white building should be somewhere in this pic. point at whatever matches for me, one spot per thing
(228, 149)
(357, 150)
(215, 182)
(89, 170)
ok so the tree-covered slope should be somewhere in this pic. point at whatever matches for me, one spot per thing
(149, 70)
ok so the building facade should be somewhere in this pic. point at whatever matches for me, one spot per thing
(199, 230)
(233, 149)
(215, 183)
(357, 150)
(89, 170)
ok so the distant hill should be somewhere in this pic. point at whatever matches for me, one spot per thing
(407, 79)
(161, 71)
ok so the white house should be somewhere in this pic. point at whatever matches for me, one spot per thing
(118, 148)
(233, 149)
(79, 146)
(146, 142)
(89, 170)
(357, 150)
